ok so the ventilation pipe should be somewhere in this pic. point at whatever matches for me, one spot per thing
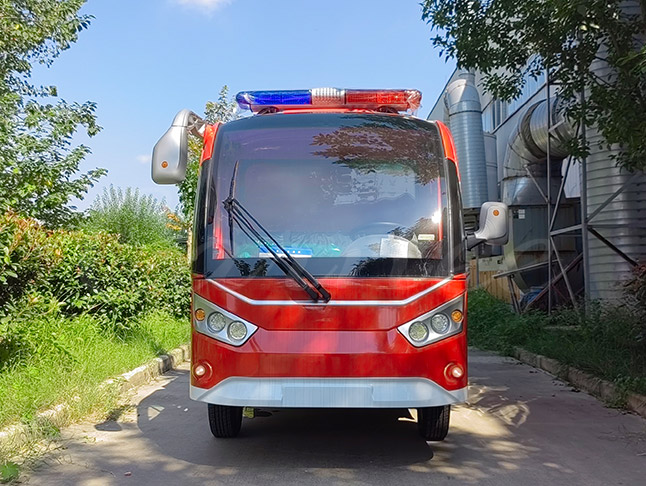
(524, 172)
(465, 120)
(526, 156)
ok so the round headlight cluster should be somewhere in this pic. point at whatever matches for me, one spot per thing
(440, 323)
(237, 331)
(216, 322)
(418, 331)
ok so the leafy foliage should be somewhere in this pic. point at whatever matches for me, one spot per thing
(21, 251)
(137, 219)
(72, 273)
(510, 40)
(220, 111)
(635, 289)
(38, 165)
(9, 471)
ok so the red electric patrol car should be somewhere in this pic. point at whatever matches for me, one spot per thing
(328, 256)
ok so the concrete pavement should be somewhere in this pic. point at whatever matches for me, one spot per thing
(521, 426)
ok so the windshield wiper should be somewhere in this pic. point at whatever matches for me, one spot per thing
(288, 264)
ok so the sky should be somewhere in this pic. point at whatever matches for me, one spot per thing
(142, 61)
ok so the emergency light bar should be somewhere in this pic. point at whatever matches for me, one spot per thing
(370, 99)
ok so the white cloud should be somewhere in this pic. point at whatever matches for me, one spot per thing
(143, 159)
(207, 5)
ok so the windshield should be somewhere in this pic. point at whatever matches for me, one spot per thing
(359, 195)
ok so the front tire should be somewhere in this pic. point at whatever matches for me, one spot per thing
(225, 421)
(433, 422)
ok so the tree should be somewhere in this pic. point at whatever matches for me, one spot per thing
(221, 111)
(38, 164)
(507, 40)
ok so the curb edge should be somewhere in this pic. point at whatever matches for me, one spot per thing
(15, 436)
(597, 387)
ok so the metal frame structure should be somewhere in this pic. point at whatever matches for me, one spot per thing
(582, 230)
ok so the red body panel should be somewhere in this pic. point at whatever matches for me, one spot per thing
(327, 317)
(331, 341)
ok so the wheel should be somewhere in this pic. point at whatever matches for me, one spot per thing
(433, 422)
(225, 421)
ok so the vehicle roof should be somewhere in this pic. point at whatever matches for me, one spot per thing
(299, 117)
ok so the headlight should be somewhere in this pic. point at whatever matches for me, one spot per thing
(237, 331)
(435, 325)
(216, 322)
(418, 331)
(221, 324)
(440, 323)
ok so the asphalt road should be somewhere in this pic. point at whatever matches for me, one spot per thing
(521, 426)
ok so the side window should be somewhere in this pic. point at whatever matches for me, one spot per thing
(457, 223)
(199, 219)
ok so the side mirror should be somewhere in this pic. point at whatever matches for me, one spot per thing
(494, 226)
(170, 154)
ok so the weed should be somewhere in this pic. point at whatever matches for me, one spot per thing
(605, 343)
(9, 471)
(71, 378)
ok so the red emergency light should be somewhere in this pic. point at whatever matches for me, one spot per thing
(368, 99)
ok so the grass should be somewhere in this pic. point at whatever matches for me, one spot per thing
(76, 357)
(609, 343)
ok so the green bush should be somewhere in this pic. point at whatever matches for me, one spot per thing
(608, 342)
(21, 254)
(493, 325)
(73, 273)
(136, 219)
(98, 275)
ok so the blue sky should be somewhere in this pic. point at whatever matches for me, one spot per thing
(142, 61)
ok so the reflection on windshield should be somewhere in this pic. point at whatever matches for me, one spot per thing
(370, 147)
(363, 189)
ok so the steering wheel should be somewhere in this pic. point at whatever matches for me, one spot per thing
(375, 228)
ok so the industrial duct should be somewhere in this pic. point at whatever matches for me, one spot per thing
(526, 156)
(524, 185)
(465, 120)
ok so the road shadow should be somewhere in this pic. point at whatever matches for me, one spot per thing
(519, 427)
(307, 438)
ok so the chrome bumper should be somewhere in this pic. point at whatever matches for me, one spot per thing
(329, 393)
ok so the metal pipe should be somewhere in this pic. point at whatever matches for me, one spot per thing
(465, 120)
(585, 250)
(526, 154)
(548, 113)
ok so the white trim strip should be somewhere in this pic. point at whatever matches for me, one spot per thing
(370, 303)
(328, 393)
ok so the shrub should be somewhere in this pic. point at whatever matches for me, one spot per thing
(21, 252)
(73, 273)
(137, 219)
(493, 325)
(98, 275)
(607, 342)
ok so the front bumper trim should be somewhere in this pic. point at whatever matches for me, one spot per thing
(328, 393)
